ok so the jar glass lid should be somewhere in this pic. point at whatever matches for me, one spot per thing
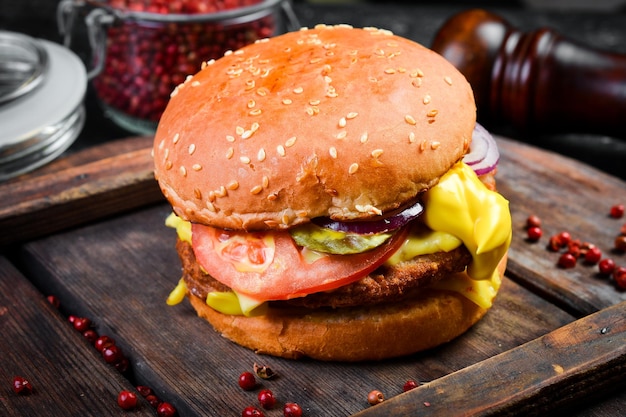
(46, 116)
(23, 64)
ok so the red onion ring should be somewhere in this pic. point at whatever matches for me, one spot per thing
(390, 222)
(483, 156)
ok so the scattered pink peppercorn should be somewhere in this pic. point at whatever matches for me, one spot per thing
(409, 385)
(247, 381)
(533, 221)
(622, 230)
(81, 324)
(266, 399)
(534, 233)
(22, 386)
(165, 409)
(292, 410)
(593, 255)
(54, 300)
(375, 397)
(606, 266)
(252, 412)
(103, 342)
(619, 275)
(143, 390)
(620, 243)
(112, 354)
(567, 260)
(90, 335)
(617, 211)
(127, 400)
(153, 400)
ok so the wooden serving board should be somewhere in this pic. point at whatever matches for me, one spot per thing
(554, 340)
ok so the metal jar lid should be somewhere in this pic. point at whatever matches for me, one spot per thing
(42, 86)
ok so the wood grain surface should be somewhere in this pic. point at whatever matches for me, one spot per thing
(538, 350)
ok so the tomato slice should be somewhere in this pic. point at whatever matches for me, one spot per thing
(270, 266)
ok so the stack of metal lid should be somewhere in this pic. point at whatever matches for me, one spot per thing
(42, 86)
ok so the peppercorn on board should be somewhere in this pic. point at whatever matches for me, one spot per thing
(118, 272)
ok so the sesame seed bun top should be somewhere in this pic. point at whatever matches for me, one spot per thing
(331, 121)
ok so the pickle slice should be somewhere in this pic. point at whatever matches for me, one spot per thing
(325, 240)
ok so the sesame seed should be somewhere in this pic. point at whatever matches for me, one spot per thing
(390, 71)
(192, 149)
(183, 171)
(230, 138)
(272, 197)
(379, 52)
(228, 52)
(256, 189)
(229, 153)
(326, 69)
(411, 137)
(244, 159)
(353, 168)
(401, 70)
(432, 113)
(285, 219)
(417, 82)
(212, 196)
(373, 79)
(166, 154)
(333, 152)
(314, 102)
(310, 111)
(435, 144)
(176, 138)
(162, 144)
(168, 165)
(262, 91)
(352, 115)
(342, 122)
(254, 127)
(254, 112)
(266, 181)
(448, 80)
(364, 137)
(376, 153)
(250, 84)
(410, 119)
(315, 60)
(239, 130)
(221, 192)
(423, 145)
(342, 135)
(426, 99)
(211, 207)
(327, 79)
(233, 185)
(195, 83)
(298, 90)
(210, 62)
(287, 101)
(290, 142)
(197, 193)
(196, 167)
(281, 150)
(251, 104)
(261, 155)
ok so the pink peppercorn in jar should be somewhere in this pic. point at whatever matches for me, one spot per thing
(142, 49)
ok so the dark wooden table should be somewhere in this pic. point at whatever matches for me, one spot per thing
(89, 230)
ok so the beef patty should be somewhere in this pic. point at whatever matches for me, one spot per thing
(387, 283)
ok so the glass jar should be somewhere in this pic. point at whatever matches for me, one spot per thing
(142, 49)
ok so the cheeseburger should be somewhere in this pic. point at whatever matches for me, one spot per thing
(329, 198)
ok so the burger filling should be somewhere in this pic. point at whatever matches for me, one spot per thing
(461, 235)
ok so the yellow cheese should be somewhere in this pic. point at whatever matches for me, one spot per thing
(462, 206)
(183, 227)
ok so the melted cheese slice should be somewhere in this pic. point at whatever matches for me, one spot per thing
(458, 210)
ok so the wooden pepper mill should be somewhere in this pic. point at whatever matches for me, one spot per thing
(537, 80)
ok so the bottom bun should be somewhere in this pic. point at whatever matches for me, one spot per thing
(351, 334)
